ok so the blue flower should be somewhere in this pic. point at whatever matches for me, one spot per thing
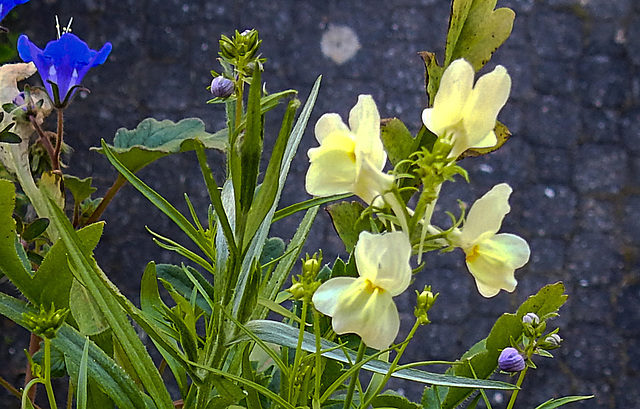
(62, 64)
(7, 5)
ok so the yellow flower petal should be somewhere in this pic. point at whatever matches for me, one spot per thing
(369, 312)
(349, 160)
(485, 101)
(383, 259)
(486, 214)
(455, 87)
(326, 296)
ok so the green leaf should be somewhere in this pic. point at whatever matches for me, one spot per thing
(250, 149)
(101, 367)
(85, 311)
(81, 189)
(107, 297)
(35, 229)
(307, 204)
(397, 140)
(179, 281)
(255, 249)
(285, 335)
(82, 377)
(9, 137)
(273, 248)
(52, 282)
(502, 133)
(160, 202)
(269, 188)
(152, 140)
(391, 399)
(348, 222)
(555, 403)
(433, 74)
(476, 30)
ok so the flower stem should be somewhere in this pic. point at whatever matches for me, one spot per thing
(34, 346)
(120, 181)
(47, 374)
(354, 377)
(56, 152)
(393, 365)
(514, 395)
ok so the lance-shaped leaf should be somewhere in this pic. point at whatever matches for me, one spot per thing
(286, 335)
(152, 140)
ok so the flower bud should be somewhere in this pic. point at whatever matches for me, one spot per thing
(511, 360)
(551, 342)
(531, 318)
(222, 87)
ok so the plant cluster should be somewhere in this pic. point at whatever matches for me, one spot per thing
(212, 319)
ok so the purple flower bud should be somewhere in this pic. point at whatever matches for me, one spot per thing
(510, 360)
(531, 318)
(222, 87)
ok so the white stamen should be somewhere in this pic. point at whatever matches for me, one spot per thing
(53, 74)
(74, 75)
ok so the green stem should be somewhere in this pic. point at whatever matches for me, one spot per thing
(393, 365)
(298, 357)
(512, 401)
(47, 374)
(95, 216)
(56, 152)
(318, 366)
(354, 377)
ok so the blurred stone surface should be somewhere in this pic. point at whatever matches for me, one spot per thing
(573, 159)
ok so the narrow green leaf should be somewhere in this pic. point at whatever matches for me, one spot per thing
(307, 204)
(255, 249)
(82, 377)
(251, 147)
(103, 291)
(270, 186)
(175, 275)
(160, 202)
(555, 403)
(286, 335)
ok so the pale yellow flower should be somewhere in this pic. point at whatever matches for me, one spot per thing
(365, 305)
(465, 113)
(491, 258)
(350, 158)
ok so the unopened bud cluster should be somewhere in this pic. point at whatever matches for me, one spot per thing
(424, 302)
(242, 51)
(45, 323)
(306, 283)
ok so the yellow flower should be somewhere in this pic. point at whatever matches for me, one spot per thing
(365, 305)
(491, 258)
(350, 158)
(465, 113)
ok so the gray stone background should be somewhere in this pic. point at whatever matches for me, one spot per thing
(573, 160)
